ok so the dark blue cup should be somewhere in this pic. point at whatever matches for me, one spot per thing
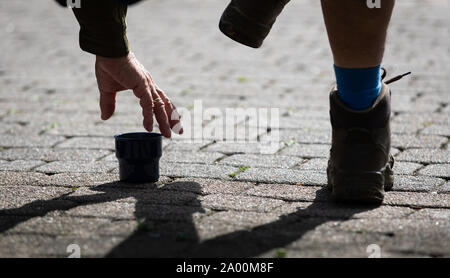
(138, 154)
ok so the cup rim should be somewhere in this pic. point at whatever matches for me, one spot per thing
(144, 136)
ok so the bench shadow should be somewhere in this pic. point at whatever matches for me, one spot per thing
(167, 229)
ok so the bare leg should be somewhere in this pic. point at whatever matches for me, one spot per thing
(357, 33)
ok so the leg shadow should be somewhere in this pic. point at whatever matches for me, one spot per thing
(242, 243)
(167, 229)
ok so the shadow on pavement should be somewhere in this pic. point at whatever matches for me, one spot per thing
(166, 237)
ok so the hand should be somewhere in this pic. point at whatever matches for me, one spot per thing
(119, 74)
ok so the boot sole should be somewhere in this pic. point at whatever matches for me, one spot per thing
(360, 187)
(238, 27)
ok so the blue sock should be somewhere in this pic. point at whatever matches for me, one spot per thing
(358, 88)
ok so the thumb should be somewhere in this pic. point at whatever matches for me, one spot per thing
(107, 104)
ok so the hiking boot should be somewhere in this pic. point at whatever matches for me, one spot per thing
(249, 21)
(360, 164)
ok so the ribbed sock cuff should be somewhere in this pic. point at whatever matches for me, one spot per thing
(358, 88)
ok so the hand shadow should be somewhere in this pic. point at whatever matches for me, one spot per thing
(167, 229)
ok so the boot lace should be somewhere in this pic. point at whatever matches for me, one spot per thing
(396, 78)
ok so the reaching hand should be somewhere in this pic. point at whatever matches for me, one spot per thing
(118, 74)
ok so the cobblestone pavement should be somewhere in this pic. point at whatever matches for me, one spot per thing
(58, 173)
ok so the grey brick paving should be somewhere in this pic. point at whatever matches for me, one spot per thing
(418, 141)
(239, 203)
(29, 141)
(88, 143)
(445, 188)
(183, 146)
(22, 178)
(419, 183)
(59, 174)
(19, 165)
(207, 186)
(196, 170)
(237, 147)
(441, 170)
(76, 167)
(190, 157)
(282, 176)
(443, 130)
(425, 156)
(47, 154)
(406, 168)
(307, 151)
(269, 161)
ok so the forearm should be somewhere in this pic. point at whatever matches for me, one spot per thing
(103, 27)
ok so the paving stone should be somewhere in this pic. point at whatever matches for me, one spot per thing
(132, 211)
(382, 225)
(233, 134)
(268, 175)
(80, 179)
(321, 208)
(29, 141)
(20, 129)
(431, 214)
(406, 168)
(417, 106)
(41, 246)
(425, 156)
(137, 195)
(185, 145)
(226, 222)
(230, 148)
(77, 167)
(190, 157)
(332, 243)
(422, 118)
(52, 154)
(443, 130)
(437, 170)
(91, 130)
(19, 165)
(316, 164)
(51, 117)
(417, 199)
(207, 186)
(307, 150)
(307, 125)
(301, 136)
(239, 203)
(270, 161)
(22, 178)
(417, 141)
(32, 200)
(290, 193)
(75, 180)
(88, 143)
(445, 188)
(74, 226)
(415, 183)
(405, 128)
(181, 170)
(110, 157)
(302, 114)
(425, 236)
(395, 151)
